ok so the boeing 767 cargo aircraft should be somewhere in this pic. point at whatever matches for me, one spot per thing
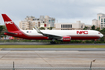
(36, 34)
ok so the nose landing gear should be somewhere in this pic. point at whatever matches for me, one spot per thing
(95, 41)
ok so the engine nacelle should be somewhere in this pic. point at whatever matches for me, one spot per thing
(66, 39)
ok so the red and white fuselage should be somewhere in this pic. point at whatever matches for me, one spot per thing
(74, 34)
(65, 35)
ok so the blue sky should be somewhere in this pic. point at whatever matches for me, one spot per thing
(64, 11)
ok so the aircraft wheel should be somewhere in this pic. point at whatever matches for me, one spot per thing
(52, 42)
(95, 41)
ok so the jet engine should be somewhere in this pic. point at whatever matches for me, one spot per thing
(66, 39)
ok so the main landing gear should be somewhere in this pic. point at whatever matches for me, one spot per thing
(53, 41)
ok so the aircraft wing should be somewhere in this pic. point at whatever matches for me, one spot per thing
(51, 36)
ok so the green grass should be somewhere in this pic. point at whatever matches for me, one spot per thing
(52, 46)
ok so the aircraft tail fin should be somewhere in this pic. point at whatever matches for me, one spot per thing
(9, 23)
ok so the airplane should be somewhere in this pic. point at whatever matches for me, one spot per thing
(53, 35)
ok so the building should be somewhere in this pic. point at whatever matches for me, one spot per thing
(100, 21)
(49, 21)
(30, 22)
(95, 22)
(27, 24)
(69, 26)
(88, 27)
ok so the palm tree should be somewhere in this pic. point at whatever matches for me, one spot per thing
(85, 28)
(93, 27)
(98, 29)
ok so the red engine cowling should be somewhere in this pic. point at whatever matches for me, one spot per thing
(66, 39)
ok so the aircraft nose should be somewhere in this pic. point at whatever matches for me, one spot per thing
(102, 35)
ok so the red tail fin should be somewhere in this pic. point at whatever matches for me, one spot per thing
(9, 23)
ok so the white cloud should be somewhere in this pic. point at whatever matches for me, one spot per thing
(99, 9)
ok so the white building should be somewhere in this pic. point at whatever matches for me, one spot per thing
(31, 21)
(69, 26)
(49, 21)
(100, 21)
(95, 22)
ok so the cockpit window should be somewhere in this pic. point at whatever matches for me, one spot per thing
(98, 32)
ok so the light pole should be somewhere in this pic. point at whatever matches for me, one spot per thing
(91, 64)
(13, 66)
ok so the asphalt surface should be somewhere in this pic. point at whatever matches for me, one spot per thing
(52, 49)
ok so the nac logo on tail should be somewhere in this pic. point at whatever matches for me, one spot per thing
(82, 32)
(9, 22)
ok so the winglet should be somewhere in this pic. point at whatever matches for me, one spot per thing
(33, 29)
(38, 30)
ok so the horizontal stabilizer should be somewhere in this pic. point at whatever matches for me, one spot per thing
(10, 33)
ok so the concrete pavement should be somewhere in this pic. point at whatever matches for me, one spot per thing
(32, 59)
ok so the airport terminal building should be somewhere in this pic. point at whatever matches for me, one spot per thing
(69, 26)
